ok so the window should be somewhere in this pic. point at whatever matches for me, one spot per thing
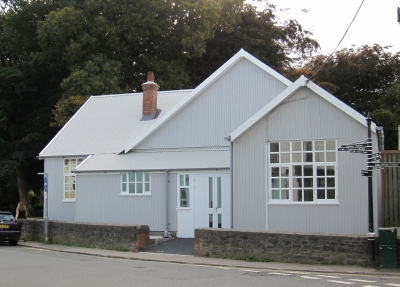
(135, 183)
(69, 178)
(184, 190)
(302, 171)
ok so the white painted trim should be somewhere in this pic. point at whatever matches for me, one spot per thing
(80, 109)
(340, 105)
(211, 79)
(268, 108)
(302, 81)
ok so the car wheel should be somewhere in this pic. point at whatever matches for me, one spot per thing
(13, 242)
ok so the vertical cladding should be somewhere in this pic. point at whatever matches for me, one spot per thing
(57, 209)
(229, 101)
(250, 190)
(110, 207)
(172, 202)
(305, 115)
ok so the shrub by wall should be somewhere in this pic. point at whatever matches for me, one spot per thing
(105, 236)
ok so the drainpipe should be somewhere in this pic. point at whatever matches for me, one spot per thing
(231, 176)
(231, 152)
(167, 204)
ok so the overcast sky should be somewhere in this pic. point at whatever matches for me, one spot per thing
(376, 21)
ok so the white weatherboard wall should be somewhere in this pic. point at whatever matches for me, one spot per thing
(58, 210)
(99, 200)
(218, 110)
(303, 116)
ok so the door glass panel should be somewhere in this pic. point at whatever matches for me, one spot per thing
(210, 192)
(184, 194)
(219, 220)
(182, 181)
(219, 191)
(210, 220)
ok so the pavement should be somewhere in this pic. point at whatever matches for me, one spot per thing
(167, 252)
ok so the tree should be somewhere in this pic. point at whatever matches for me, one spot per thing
(108, 46)
(26, 99)
(279, 45)
(388, 115)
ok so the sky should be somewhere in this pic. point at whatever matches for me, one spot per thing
(376, 21)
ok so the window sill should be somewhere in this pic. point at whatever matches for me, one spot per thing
(183, 208)
(68, 201)
(133, 194)
(335, 203)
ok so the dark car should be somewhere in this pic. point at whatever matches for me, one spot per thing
(9, 229)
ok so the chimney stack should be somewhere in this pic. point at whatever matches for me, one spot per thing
(149, 96)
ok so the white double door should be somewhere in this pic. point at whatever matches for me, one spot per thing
(212, 201)
(209, 204)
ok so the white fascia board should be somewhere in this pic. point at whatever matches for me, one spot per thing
(211, 79)
(340, 105)
(54, 138)
(302, 81)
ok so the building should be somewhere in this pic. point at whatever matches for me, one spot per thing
(246, 149)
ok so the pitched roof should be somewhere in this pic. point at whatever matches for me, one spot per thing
(157, 160)
(106, 124)
(290, 90)
(242, 54)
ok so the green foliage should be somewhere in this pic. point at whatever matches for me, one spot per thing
(279, 45)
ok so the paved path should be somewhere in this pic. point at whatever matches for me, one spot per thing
(190, 259)
(178, 246)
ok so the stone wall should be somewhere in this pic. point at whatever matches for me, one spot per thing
(105, 236)
(283, 247)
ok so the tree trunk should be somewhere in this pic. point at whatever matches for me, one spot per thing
(22, 186)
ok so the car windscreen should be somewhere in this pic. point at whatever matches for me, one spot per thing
(6, 217)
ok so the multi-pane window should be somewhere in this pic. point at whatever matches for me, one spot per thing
(69, 178)
(302, 171)
(184, 190)
(135, 182)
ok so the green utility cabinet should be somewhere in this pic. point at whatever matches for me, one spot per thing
(388, 247)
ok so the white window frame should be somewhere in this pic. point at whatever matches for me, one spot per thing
(184, 180)
(69, 178)
(286, 158)
(131, 184)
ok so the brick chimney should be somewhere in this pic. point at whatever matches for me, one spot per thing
(149, 96)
